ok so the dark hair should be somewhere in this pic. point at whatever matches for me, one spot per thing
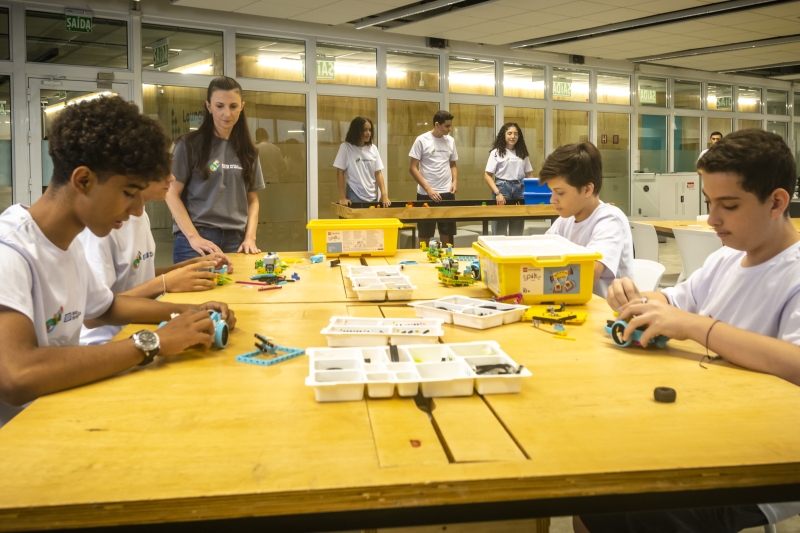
(240, 139)
(357, 129)
(761, 158)
(261, 133)
(579, 164)
(715, 133)
(109, 136)
(500, 142)
(442, 116)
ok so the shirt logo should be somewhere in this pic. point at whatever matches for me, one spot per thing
(358, 160)
(214, 166)
(139, 258)
(53, 322)
(433, 151)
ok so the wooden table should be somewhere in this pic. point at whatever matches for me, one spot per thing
(201, 437)
(484, 213)
(665, 227)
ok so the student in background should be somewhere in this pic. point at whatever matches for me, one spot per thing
(743, 304)
(124, 260)
(270, 157)
(508, 165)
(214, 199)
(359, 167)
(574, 173)
(433, 166)
(715, 138)
(97, 183)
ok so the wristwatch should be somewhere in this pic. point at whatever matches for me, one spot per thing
(148, 343)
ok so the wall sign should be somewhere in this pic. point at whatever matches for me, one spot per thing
(562, 88)
(647, 96)
(78, 21)
(724, 102)
(161, 53)
(325, 69)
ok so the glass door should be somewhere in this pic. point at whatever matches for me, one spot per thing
(47, 99)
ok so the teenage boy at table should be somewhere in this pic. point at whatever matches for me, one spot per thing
(743, 304)
(124, 260)
(104, 152)
(433, 166)
(574, 173)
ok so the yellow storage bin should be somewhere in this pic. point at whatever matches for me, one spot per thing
(543, 268)
(355, 237)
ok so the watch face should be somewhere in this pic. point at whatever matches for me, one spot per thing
(147, 340)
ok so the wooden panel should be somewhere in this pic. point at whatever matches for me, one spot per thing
(458, 419)
(474, 132)
(406, 120)
(666, 226)
(364, 311)
(404, 436)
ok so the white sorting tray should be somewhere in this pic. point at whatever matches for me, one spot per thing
(380, 288)
(354, 331)
(374, 271)
(470, 312)
(439, 370)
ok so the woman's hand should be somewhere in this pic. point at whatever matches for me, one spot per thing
(248, 246)
(344, 201)
(501, 200)
(385, 201)
(203, 246)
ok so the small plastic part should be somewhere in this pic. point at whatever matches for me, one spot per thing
(665, 395)
(318, 258)
(407, 262)
(483, 204)
(273, 352)
(334, 262)
(616, 329)
(295, 276)
(425, 204)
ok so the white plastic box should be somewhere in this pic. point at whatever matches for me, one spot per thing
(440, 370)
(353, 331)
(380, 288)
(470, 312)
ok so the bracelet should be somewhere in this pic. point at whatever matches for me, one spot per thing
(707, 356)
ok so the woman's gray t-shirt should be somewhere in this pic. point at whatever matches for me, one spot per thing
(219, 201)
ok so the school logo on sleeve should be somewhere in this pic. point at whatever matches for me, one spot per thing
(53, 322)
(213, 167)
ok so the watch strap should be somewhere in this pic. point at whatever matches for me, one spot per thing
(149, 356)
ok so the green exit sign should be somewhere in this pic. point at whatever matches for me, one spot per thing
(562, 88)
(724, 102)
(325, 69)
(80, 22)
(161, 53)
(647, 96)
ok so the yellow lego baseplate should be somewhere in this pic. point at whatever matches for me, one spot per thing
(554, 313)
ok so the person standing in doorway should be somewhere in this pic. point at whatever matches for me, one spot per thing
(214, 198)
(433, 166)
(270, 157)
(359, 167)
(508, 164)
(715, 138)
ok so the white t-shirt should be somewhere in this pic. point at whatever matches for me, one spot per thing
(606, 231)
(701, 154)
(509, 167)
(120, 261)
(764, 299)
(54, 288)
(360, 165)
(434, 155)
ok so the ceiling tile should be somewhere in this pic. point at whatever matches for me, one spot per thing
(323, 17)
(731, 19)
(567, 25)
(490, 11)
(659, 6)
(527, 5)
(526, 34)
(581, 7)
(791, 9)
(615, 15)
(213, 4)
(491, 27)
(687, 27)
(270, 9)
(534, 18)
(770, 23)
(460, 34)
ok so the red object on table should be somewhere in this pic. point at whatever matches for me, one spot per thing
(270, 287)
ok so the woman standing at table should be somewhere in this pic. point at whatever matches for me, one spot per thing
(358, 166)
(214, 198)
(508, 164)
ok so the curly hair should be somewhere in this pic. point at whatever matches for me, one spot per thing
(356, 130)
(500, 141)
(109, 136)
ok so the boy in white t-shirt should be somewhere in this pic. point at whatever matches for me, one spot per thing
(574, 173)
(359, 169)
(743, 304)
(124, 259)
(104, 152)
(433, 166)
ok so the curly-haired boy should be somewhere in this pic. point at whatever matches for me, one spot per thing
(105, 153)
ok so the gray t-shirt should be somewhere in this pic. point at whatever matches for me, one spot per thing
(219, 201)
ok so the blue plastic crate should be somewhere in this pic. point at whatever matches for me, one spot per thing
(532, 185)
(533, 198)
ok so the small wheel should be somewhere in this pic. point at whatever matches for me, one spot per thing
(476, 272)
(221, 334)
(616, 333)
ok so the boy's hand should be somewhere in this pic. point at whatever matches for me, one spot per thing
(660, 319)
(248, 246)
(501, 200)
(203, 246)
(433, 195)
(344, 201)
(385, 201)
(453, 188)
(621, 292)
(226, 313)
(188, 279)
(188, 329)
